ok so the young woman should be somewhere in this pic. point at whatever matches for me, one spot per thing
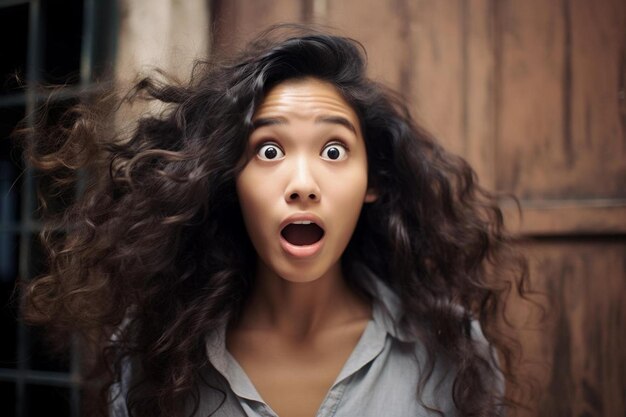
(281, 240)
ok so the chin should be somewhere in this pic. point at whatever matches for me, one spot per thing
(300, 276)
(300, 273)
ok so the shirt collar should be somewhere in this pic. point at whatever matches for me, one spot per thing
(226, 365)
(386, 314)
(387, 306)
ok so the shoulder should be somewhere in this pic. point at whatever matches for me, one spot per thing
(215, 396)
(413, 356)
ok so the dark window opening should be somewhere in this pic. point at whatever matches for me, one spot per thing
(68, 45)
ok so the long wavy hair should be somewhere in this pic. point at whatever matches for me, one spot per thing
(153, 254)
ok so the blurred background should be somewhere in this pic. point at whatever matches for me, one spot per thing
(531, 93)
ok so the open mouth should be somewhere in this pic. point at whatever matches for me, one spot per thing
(302, 233)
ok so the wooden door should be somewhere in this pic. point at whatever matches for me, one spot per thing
(532, 93)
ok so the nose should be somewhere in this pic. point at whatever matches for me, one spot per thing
(302, 186)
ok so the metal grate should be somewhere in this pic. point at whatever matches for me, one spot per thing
(52, 42)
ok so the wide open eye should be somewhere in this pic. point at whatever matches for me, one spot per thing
(334, 152)
(270, 152)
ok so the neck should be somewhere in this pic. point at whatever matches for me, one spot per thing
(299, 309)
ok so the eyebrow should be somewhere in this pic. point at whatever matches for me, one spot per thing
(338, 120)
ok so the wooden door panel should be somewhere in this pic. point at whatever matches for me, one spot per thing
(382, 27)
(236, 22)
(437, 70)
(561, 68)
(578, 357)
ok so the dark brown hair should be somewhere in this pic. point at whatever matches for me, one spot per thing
(153, 255)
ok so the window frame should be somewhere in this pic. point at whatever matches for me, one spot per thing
(97, 53)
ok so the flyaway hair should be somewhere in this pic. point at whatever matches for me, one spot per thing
(153, 255)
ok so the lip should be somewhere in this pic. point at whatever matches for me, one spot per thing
(301, 251)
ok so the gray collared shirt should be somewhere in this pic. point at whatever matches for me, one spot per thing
(380, 377)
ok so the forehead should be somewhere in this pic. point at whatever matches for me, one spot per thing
(305, 98)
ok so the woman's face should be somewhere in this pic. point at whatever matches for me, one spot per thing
(303, 187)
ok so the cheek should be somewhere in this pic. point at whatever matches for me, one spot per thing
(348, 192)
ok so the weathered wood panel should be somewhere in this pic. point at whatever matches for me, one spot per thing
(561, 73)
(579, 360)
(236, 22)
(382, 27)
(478, 127)
(438, 69)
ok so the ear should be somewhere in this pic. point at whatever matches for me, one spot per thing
(370, 196)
